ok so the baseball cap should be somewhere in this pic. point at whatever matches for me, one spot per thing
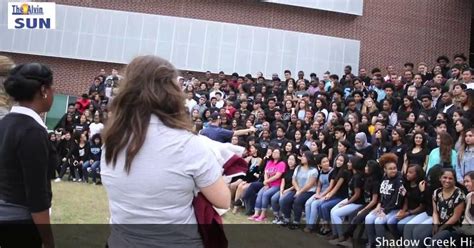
(214, 116)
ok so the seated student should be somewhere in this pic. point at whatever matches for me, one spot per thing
(304, 186)
(352, 203)
(251, 176)
(362, 148)
(412, 204)
(448, 206)
(444, 153)
(466, 155)
(285, 187)
(323, 186)
(66, 148)
(82, 153)
(272, 179)
(373, 177)
(340, 176)
(390, 199)
(93, 164)
(467, 228)
(249, 196)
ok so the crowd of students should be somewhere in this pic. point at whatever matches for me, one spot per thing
(77, 136)
(387, 150)
(390, 149)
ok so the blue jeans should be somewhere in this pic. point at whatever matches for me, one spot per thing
(311, 210)
(94, 166)
(250, 195)
(263, 197)
(326, 206)
(375, 225)
(338, 213)
(424, 230)
(409, 228)
(290, 202)
(397, 230)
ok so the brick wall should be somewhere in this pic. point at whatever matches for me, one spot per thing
(391, 32)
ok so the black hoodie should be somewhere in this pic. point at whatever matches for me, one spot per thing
(391, 198)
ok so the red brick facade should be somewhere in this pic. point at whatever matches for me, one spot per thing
(391, 32)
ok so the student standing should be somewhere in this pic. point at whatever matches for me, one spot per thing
(26, 158)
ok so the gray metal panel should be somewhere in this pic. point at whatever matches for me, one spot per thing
(190, 44)
(353, 7)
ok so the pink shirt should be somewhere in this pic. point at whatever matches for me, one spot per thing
(273, 168)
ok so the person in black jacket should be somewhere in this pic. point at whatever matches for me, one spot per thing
(82, 153)
(390, 199)
(93, 164)
(66, 153)
(26, 159)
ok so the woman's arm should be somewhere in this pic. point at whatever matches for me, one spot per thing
(357, 193)
(330, 150)
(458, 211)
(282, 185)
(42, 222)
(426, 163)
(218, 194)
(405, 164)
(309, 184)
(372, 203)
(331, 185)
(336, 188)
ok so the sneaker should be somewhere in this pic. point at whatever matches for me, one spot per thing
(276, 220)
(235, 209)
(253, 217)
(57, 180)
(79, 180)
(74, 180)
(307, 230)
(260, 219)
(89, 169)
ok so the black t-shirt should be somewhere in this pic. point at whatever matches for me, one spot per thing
(417, 158)
(400, 152)
(370, 188)
(357, 181)
(342, 192)
(288, 176)
(413, 196)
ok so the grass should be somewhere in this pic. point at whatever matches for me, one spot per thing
(79, 203)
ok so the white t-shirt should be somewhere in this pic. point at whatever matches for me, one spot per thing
(95, 128)
(170, 166)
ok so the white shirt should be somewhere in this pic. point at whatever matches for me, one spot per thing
(95, 128)
(447, 107)
(170, 165)
(190, 104)
(29, 112)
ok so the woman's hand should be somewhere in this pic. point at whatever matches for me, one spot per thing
(298, 193)
(422, 186)
(401, 214)
(327, 197)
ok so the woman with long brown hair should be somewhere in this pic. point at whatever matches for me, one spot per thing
(152, 162)
(444, 154)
